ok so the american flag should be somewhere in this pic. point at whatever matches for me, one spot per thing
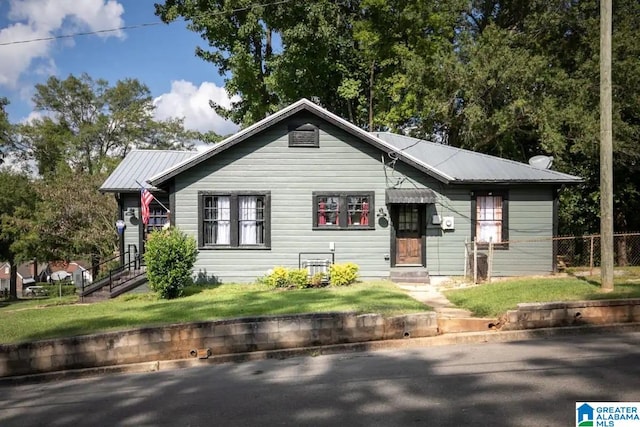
(145, 199)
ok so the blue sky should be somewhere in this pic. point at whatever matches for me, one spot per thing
(160, 56)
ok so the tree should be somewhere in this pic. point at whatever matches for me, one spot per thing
(71, 219)
(17, 202)
(87, 123)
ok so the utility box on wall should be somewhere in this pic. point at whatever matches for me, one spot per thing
(448, 223)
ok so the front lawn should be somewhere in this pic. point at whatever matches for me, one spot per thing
(494, 299)
(40, 319)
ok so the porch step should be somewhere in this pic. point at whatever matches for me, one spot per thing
(409, 275)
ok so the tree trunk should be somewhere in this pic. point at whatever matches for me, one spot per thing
(13, 281)
(373, 66)
(621, 251)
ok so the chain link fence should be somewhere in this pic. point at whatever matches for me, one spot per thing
(533, 256)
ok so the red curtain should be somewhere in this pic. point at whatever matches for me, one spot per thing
(322, 217)
(365, 214)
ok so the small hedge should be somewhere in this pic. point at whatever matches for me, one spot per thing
(283, 277)
(343, 274)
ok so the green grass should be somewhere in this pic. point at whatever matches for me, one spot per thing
(30, 320)
(495, 299)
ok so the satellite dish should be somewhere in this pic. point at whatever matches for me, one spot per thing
(541, 162)
(59, 275)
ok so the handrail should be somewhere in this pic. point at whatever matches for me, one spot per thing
(134, 264)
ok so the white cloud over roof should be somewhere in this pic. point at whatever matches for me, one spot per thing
(192, 102)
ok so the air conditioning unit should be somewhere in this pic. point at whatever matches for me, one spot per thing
(448, 223)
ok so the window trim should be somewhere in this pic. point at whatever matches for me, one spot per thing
(305, 127)
(342, 208)
(504, 245)
(234, 214)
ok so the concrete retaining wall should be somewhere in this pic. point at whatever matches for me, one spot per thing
(219, 337)
(547, 315)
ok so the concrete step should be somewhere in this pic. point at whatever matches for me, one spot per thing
(409, 275)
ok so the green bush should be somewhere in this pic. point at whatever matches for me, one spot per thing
(170, 255)
(282, 277)
(343, 274)
(53, 290)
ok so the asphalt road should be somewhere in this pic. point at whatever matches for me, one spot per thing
(527, 383)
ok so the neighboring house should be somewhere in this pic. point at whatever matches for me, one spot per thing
(30, 273)
(304, 183)
(68, 271)
(5, 275)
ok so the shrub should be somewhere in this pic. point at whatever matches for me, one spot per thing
(170, 255)
(318, 279)
(282, 277)
(53, 290)
(343, 274)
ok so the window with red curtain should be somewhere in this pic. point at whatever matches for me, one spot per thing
(343, 210)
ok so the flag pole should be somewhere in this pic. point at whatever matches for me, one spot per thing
(154, 197)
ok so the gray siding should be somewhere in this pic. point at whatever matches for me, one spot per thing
(344, 163)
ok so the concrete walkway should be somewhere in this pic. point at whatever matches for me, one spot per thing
(450, 318)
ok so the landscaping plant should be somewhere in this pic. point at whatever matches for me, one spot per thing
(170, 256)
(343, 274)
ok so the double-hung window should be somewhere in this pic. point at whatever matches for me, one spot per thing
(490, 216)
(352, 210)
(234, 220)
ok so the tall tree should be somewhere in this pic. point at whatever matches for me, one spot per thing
(17, 203)
(86, 123)
(71, 219)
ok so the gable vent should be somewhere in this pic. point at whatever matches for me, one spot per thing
(305, 135)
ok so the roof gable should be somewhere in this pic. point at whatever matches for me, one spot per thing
(447, 164)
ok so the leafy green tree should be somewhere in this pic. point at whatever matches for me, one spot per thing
(87, 123)
(17, 202)
(170, 255)
(72, 219)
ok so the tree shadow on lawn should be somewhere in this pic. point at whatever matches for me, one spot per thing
(621, 290)
(197, 307)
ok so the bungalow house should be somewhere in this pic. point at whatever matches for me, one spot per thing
(305, 184)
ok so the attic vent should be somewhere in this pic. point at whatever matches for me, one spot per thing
(306, 135)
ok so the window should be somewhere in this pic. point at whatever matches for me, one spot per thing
(343, 210)
(489, 215)
(234, 220)
(157, 218)
(306, 135)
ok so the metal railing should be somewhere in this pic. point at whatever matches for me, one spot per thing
(133, 263)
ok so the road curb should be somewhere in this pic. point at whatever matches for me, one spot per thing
(439, 340)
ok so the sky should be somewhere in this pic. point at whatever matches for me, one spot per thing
(160, 56)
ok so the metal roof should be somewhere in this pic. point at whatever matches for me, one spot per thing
(140, 165)
(466, 166)
(445, 163)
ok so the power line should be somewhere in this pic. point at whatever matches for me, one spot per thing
(136, 26)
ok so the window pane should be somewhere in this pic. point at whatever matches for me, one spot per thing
(328, 211)
(489, 219)
(251, 220)
(358, 210)
(216, 222)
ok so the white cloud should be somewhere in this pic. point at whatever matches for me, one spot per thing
(192, 103)
(45, 18)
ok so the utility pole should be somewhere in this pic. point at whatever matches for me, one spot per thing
(606, 150)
